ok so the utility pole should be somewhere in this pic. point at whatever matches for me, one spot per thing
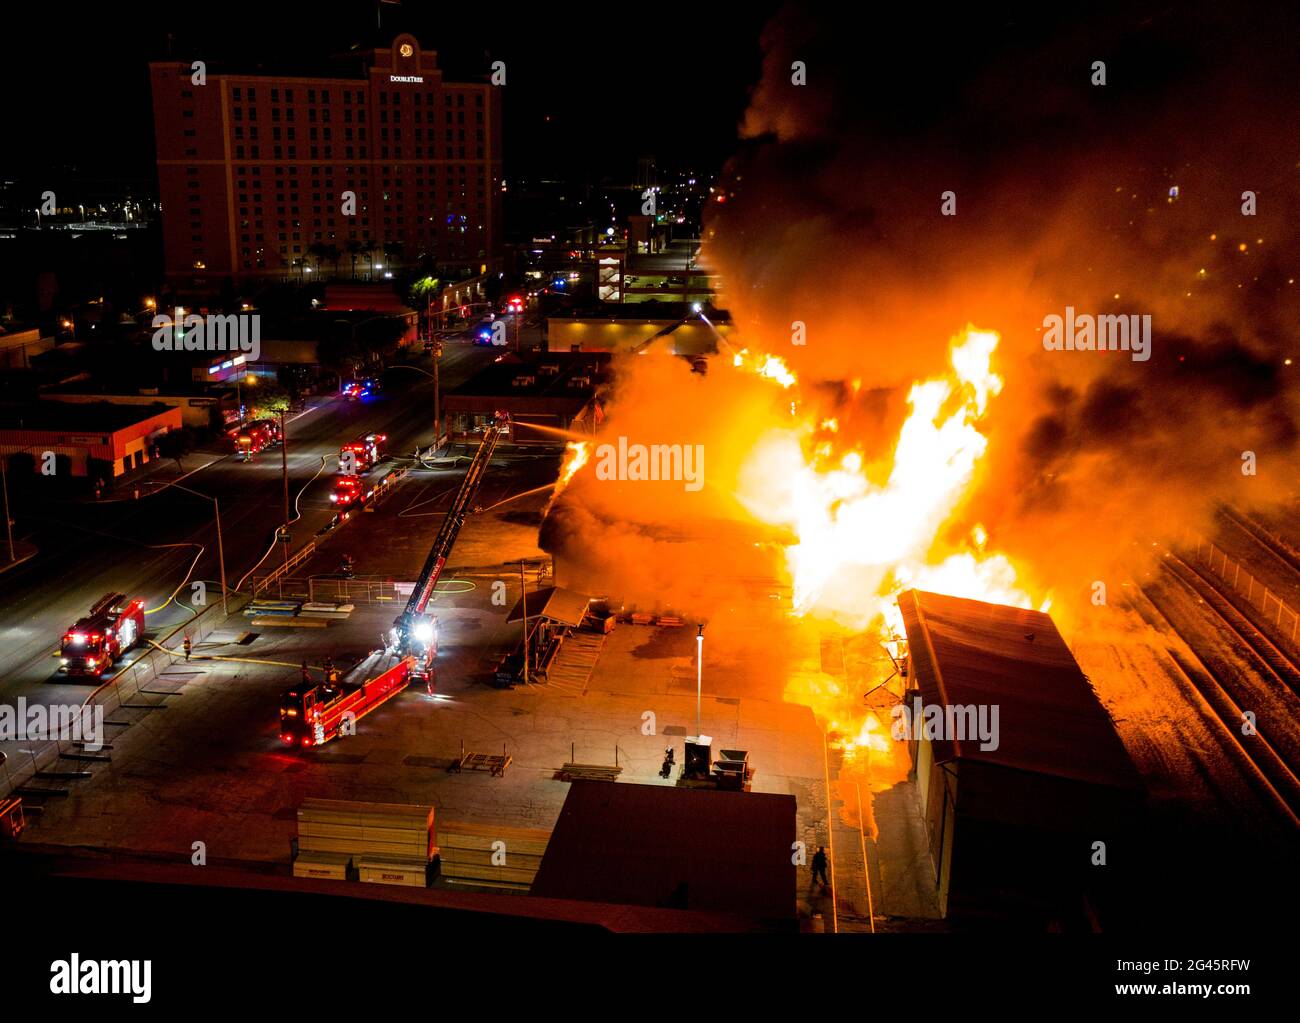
(221, 557)
(523, 587)
(284, 472)
(9, 525)
(437, 420)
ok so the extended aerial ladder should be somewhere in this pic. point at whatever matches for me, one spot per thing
(415, 632)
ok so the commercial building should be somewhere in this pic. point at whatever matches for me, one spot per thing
(551, 391)
(376, 163)
(1018, 767)
(700, 850)
(199, 408)
(677, 327)
(102, 440)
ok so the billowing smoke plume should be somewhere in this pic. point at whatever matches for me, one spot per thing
(1116, 198)
(1125, 197)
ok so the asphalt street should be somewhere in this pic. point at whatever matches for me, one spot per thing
(166, 538)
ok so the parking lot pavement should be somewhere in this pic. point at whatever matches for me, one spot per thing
(212, 769)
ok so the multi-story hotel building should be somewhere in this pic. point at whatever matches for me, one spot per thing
(255, 170)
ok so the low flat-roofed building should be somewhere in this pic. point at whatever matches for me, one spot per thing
(99, 439)
(675, 326)
(701, 850)
(1018, 766)
(549, 390)
(199, 408)
(18, 347)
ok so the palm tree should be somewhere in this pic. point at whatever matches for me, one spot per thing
(333, 254)
(368, 247)
(316, 250)
(355, 248)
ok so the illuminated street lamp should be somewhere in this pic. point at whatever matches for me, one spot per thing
(699, 676)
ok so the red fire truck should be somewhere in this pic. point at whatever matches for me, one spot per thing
(313, 713)
(114, 625)
(349, 491)
(362, 454)
(251, 439)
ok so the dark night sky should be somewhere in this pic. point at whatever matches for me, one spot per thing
(651, 81)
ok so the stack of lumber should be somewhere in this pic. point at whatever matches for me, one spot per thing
(329, 865)
(328, 611)
(590, 772)
(271, 608)
(467, 854)
(389, 842)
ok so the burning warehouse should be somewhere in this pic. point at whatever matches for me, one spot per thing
(1017, 797)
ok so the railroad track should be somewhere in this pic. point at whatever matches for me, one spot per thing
(1270, 769)
(1265, 541)
(1270, 659)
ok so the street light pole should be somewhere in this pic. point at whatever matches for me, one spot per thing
(221, 550)
(284, 472)
(699, 677)
(9, 526)
(523, 592)
(221, 559)
(437, 419)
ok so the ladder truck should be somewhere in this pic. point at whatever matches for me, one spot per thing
(415, 632)
(312, 713)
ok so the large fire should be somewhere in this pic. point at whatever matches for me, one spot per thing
(861, 542)
(866, 525)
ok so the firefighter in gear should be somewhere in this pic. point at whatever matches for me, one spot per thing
(188, 645)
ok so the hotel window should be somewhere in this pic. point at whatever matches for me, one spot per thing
(236, 93)
(275, 95)
(311, 95)
(252, 95)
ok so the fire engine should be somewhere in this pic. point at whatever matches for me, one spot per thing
(349, 491)
(362, 454)
(415, 632)
(251, 439)
(272, 428)
(313, 713)
(114, 625)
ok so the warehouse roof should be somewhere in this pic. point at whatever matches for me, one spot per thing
(657, 845)
(1050, 722)
(95, 417)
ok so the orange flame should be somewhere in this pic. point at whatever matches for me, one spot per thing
(860, 543)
